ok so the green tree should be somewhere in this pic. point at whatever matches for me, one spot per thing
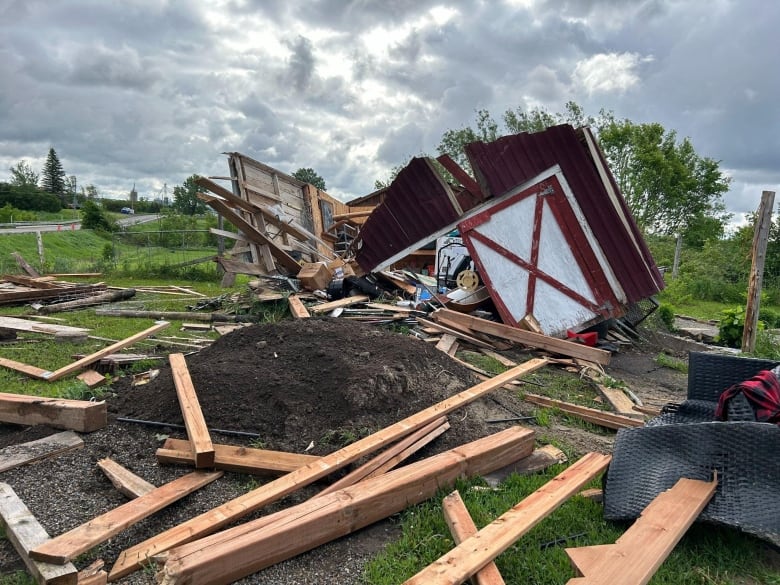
(93, 218)
(309, 175)
(24, 177)
(53, 175)
(185, 197)
(668, 187)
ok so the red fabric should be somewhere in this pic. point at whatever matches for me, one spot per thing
(762, 392)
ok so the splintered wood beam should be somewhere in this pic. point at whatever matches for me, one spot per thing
(345, 302)
(297, 308)
(230, 555)
(463, 561)
(454, 331)
(92, 358)
(132, 559)
(237, 459)
(251, 232)
(93, 574)
(125, 480)
(194, 422)
(25, 533)
(24, 453)
(71, 544)
(591, 415)
(392, 456)
(529, 338)
(639, 552)
(75, 415)
(462, 526)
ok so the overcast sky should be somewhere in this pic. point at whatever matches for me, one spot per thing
(150, 92)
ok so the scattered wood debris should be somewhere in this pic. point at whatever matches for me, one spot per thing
(76, 415)
(32, 451)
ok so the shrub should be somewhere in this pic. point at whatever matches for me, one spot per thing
(666, 315)
(732, 327)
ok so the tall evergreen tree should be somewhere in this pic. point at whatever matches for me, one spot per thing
(53, 175)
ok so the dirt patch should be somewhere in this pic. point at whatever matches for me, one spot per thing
(317, 383)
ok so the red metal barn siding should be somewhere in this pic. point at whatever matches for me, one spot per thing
(509, 161)
(416, 204)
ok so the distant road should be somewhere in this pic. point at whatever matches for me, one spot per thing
(125, 221)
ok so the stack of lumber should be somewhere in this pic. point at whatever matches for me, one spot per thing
(16, 289)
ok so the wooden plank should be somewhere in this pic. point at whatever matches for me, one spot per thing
(25, 533)
(125, 480)
(247, 548)
(75, 415)
(132, 558)
(540, 459)
(252, 233)
(618, 400)
(194, 422)
(640, 551)
(27, 369)
(297, 308)
(93, 574)
(463, 561)
(71, 544)
(92, 378)
(24, 453)
(392, 456)
(85, 361)
(345, 302)
(591, 415)
(18, 324)
(24, 265)
(529, 338)
(7, 297)
(461, 527)
(457, 332)
(446, 342)
(237, 459)
(504, 361)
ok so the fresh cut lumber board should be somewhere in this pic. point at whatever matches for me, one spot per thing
(297, 308)
(461, 527)
(211, 521)
(67, 546)
(194, 422)
(238, 459)
(75, 415)
(529, 338)
(24, 453)
(591, 415)
(25, 533)
(124, 480)
(467, 558)
(248, 548)
(640, 551)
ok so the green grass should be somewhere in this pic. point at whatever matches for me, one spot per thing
(667, 361)
(17, 578)
(706, 555)
(484, 362)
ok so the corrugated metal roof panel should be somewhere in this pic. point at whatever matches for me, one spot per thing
(417, 203)
(509, 161)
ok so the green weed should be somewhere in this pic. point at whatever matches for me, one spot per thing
(667, 361)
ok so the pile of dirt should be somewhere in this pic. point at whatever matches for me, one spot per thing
(325, 381)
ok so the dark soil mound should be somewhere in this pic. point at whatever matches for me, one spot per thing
(323, 380)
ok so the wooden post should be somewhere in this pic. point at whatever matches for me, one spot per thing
(677, 252)
(760, 238)
(39, 239)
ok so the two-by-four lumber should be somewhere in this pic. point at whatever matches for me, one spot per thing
(114, 347)
(529, 338)
(540, 459)
(345, 302)
(454, 331)
(462, 526)
(24, 453)
(93, 574)
(250, 547)
(132, 558)
(60, 413)
(24, 265)
(618, 400)
(391, 456)
(125, 480)
(71, 544)
(25, 533)
(237, 459)
(446, 343)
(463, 561)
(194, 422)
(297, 308)
(639, 552)
(591, 415)
(251, 232)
